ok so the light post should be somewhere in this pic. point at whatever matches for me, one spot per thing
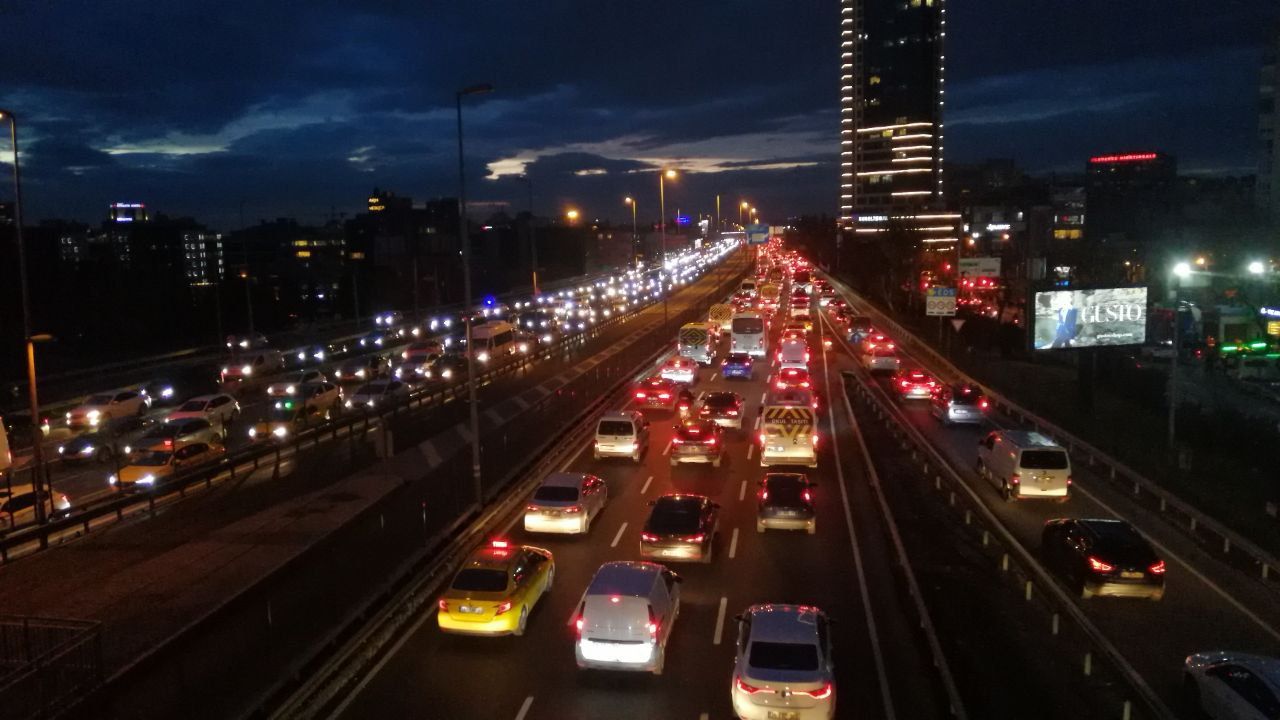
(635, 236)
(662, 224)
(464, 239)
(37, 432)
(1256, 267)
(742, 206)
(1181, 271)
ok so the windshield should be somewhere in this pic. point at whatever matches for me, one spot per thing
(748, 326)
(1044, 459)
(192, 406)
(153, 459)
(554, 493)
(481, 580)
(783, 656)
(614, 428)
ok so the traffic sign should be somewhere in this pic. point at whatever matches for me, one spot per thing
(757, 234)
(957, 323)
(940, 302)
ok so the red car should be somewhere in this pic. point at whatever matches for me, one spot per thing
(914, 383)
(791, 377)
(656, 392)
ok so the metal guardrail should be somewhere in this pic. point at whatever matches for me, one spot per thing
(46, 663)
(1173, 509)
(84, 520)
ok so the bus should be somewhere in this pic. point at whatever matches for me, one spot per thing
(492, 340)
(748, 334)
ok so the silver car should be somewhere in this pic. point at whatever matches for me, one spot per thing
(784, 666)
(566, 503)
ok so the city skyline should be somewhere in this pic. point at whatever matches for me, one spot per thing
(326, 107)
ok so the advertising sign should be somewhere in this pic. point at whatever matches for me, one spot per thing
(980, 267)
(757, 234)
(1090, 318)
(940, 302)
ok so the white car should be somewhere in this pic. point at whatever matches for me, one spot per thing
(881, 359)
(99, 408)
(566, 503)
(220, 410)
(289, 385)
(784, 666)
(374, 394)
(681, 370)
(1228, 685)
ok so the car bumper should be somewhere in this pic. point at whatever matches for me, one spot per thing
(641, 657)
(917, 394)
(694, 457)
(729, 422)
(1126, 589)
(504, 624)
(878, 366)
(685, 378)
(774, 522)
(736, 373)
(615, 450)
(744, 708)
(543, 523)
(683, 551)
(1031, 492)
(963, 416)
(788, 457)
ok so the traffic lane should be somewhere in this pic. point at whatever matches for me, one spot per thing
(1154, 636)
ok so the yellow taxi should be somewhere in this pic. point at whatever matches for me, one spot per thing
(149, 468)
(496, 589)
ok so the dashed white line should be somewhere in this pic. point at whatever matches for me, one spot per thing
(667, 450)
(762, 397)
(524, 708)
(714, 375)
(724, 604)
(742, 491)
(751, 450)
(733, 544)
(618, 537)
(645, 488)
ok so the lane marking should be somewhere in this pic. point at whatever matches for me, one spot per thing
(524, 708)
(715, 375)
(757, 422)
(742, 491)
(667, 450)
(645, 488)
(762, 396)
(724, 604)
(872, 631)
(751, 450)
(733, 544)
(618, 537)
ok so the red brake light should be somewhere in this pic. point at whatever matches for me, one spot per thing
(711, 441)
(573, 509)
(444, 605)
(764, 494)
(1014, 479)
(1157, 568)
(648, 537)
(696, 538)
(503, 607)
(820, 694)
(639, 394)
(653, 624)
(664, 396)
(808, 497)
(746, 687)
(781, 385)
(1097, 565)
(498, 543)
(761, 438)
(168, 444)
(578, 624)
(983, 404)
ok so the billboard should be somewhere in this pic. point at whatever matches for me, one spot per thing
(980, 267)
(1090, 318)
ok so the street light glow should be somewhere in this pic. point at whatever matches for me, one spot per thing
(1182, 270)
(1256, 267)
(627, 200)
(572, 215)
(745, 205)
(671, 174)
(1201, 261)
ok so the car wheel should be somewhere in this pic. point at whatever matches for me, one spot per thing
(979, 468)
(522, 623)
(1006, 492)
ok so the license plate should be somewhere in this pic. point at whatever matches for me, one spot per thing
(470, 609)
(1131, 575)
(784, 715)
(671, 552)
(775, 448)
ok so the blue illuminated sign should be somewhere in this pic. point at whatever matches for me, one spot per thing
(682, 219)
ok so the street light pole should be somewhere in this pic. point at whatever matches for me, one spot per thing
(662, 224)
(1180, 271)
(464, 238)
(635, 236)
(37, 431)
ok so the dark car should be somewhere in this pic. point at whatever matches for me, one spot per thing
(656, 392)
(1103, 557)
(785, 502)
(363, 369)
(722, 408)
(697, 441)
(20, 431)
(680, 527)
(737, 365)
(107, 441)
(960, 403)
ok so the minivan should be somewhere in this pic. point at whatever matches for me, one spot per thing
(625, 619)
(1025, 464)
(793, 353)
(621, 434)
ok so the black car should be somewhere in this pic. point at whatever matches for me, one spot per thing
(107, 441)
(785, 502)
(680, 527)
(1103, 557)
(20, 431)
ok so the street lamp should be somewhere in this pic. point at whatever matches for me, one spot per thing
(37, 433)
(741, 207)
(1256, 267)
(464, 238)
(662, 223)
(571, 215)
(635, 236)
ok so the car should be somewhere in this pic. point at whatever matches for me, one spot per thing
(169, 435)
(496, 589)
(656, 392)
(362, 369)
(389, 318)
(377, 339)
(678, 369)
(626, 617)
(794, 331)
(881, 359)
(236, 343)
(566, 502)
(324, 396)
(622, 433)
(447, 367)
(722, 408)
(737, 365)
(680, 527)
(793, 352)
(290, 383)
(287, 416)
(872, 340)
(1230, 685)
(1024, 465)
(825, 296)
(697, 440)
(101, 407)
(220, 410)
(1102, 557)
(914, 384)
(791, 377)
(837, 303)
(804, 318)
(256, 363)
(18, 505)
(783, 666)
(959, 403)
(108, 441)
(148, 469)
(377, 393)
(859, 328)
(424, 350)
(161, 392)
(785, 502)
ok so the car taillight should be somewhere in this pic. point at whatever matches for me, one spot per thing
(746, 687)
(1014, 479)
(804, 384)
(731, 412)
(503, 606)
(1157, 568)
(821, 693)
(1097, 565)
(531, 508)
(573, 509)
(808, 497)
(983, 404)
(814, 439)
(664, 396)
(761, 438)
(711, 441)
(695, 538)
(1070, 479)
(578, 624)
(647, 537)
(764, 494)
(168, 444)
(781, 385)
(639, 394)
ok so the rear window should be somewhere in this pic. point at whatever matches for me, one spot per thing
(615, 427)
(783, 656)
(960, 397)
(738, 358)
(721, 400)
(675, 518)
(1044, 459)
(748, 326)
(481, 580)
(556, 494)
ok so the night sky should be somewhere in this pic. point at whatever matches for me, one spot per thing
(298, 108)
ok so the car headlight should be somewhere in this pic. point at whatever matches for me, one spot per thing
(112, 479)
(446, 373)
(371, 402)
(127, 449)
(94, 414)
(280, 432)
(226, 370)
(68, 417)
(166, 392)
(147, 479)
(360, 373)
(253, 432)
(348, 403)
(289, 390)
(319, 355)
(62, 449)
(302, 356)
(87, 450)
(483, 357)
(246, 370)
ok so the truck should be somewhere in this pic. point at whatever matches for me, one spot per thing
(788, 429)
(770, 293)
(695, 342)
(721, 314)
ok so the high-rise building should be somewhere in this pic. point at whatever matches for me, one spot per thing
(1267, 192)
(1132, 210)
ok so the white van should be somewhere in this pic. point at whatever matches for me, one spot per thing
(492, 340)
(621, 434)
(626, 616)
(748, 286)
(1025, 464)
(793, 353)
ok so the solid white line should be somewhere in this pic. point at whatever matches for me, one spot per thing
(873, 633)
(742, 491)
(733, 544)
(618, 537)
(667, 450)
(724, 603)
(524, 708)
(645, 488)
(751, 450)
(757, 422)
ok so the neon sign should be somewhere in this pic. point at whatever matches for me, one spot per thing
(1126, 157)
